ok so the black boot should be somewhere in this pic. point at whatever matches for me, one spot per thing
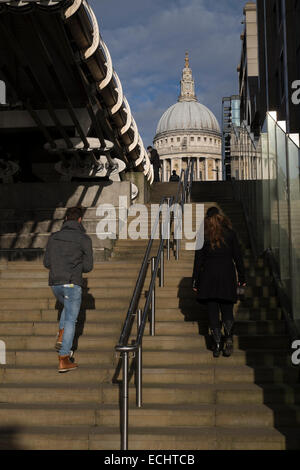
(228, 345)
(216, 335)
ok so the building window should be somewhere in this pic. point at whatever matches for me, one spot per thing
(199, 139)
(172, 140)
(2, 92)
(210, 140)
(178, 139)
(205, 139)
(192, 139)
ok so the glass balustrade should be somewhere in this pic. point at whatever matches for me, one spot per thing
(270, 191)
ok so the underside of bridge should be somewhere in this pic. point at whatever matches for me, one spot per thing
(64, 116)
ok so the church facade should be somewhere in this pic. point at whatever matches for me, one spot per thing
(188, 129)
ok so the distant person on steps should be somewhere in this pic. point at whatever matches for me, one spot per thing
(69, 253)
(174, 178)
(155, 161)
(214, 276)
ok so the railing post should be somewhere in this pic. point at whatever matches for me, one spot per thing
(169, 233)
(124, 424)
(177, 249)
(152, 320)
(139, 366)
(162, 269)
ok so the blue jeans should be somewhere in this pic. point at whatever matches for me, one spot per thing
(70, 297)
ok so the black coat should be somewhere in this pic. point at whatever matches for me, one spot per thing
(154, 159)
(214, 270)
(69, 253)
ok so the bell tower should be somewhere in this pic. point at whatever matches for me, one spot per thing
(187, 83)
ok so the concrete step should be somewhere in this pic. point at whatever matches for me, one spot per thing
(257, 276)
(175, 281)
(110, 326)
(159, 342)
(254, 357)
(148, 438)
(36, 255)
(46, 343)
(160, 416)
(176, 394)
(192, 374)
(199, 313)
(263, 294)
(40, 240)
(47, 357)
(93, 302)
(166, 314)
(245, 342)
(50, 303)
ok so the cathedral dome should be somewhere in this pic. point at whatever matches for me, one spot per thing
(186, 130)
(188, 115)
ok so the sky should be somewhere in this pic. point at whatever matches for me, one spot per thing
(147, 40)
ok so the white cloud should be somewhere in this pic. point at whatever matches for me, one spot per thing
(148, 52)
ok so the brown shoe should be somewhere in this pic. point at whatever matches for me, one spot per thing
(59, 339)
(65, 365)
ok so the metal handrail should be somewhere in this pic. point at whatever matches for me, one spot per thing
(123, 347)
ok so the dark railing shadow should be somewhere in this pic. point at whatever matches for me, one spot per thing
(9, 438)
(192, 309)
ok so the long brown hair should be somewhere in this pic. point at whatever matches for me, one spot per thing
(214, 225)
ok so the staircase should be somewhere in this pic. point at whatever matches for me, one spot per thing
(191, 400)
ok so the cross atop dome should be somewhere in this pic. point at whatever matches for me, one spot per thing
(187, 84)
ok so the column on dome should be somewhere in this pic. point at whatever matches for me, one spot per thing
(206, 169)
(180, 166)
(164, 171)
(198, 169)
(214, 170)
(168, 169)
(172, 166)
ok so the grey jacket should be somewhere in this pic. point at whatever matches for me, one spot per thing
(69, 253)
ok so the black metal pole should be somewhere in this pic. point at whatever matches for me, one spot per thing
(124, 424)
(139, 367)
(162, 268)
(152, 323)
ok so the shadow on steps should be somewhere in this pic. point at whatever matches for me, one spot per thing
(267, 355)
(8, 438)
